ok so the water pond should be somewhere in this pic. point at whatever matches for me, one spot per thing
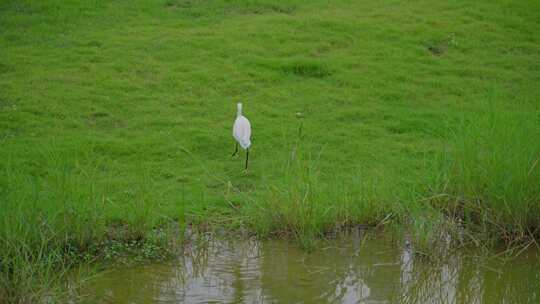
(357, 268)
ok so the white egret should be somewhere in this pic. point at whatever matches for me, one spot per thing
(242, 132)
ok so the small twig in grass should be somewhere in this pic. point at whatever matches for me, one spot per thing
(471, 236)
(523, 249)
(531, 234)
(231, 204)
(433, 197)
(385, 264)
(421, 253)
(384, 220)
(532, 167)
(362, 241)
(512, 249)
(490, 268)
(318, 270)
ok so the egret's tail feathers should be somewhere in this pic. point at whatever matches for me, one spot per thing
(244, 144)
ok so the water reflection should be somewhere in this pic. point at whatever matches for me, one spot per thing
(354, 269)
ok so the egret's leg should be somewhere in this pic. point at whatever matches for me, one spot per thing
(247, 157)
(235, 151)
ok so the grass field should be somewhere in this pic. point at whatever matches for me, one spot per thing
(118, 116)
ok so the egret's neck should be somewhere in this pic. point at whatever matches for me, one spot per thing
(239, 109)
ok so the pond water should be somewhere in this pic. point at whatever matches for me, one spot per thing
(357, 268)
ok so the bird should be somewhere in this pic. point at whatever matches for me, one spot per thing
(242, 132)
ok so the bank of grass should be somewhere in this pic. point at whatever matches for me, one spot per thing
(54, 220)
(483, 189)
(115, 120)
(485, 181)
(492, 175)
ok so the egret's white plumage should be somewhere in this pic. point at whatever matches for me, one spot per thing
(242, 129)
(242, 132)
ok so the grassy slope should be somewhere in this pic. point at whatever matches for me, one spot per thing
(122, 111)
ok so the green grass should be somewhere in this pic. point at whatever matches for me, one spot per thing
(493, 175)
(119, 114)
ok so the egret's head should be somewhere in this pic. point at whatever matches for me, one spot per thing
(239, 108)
